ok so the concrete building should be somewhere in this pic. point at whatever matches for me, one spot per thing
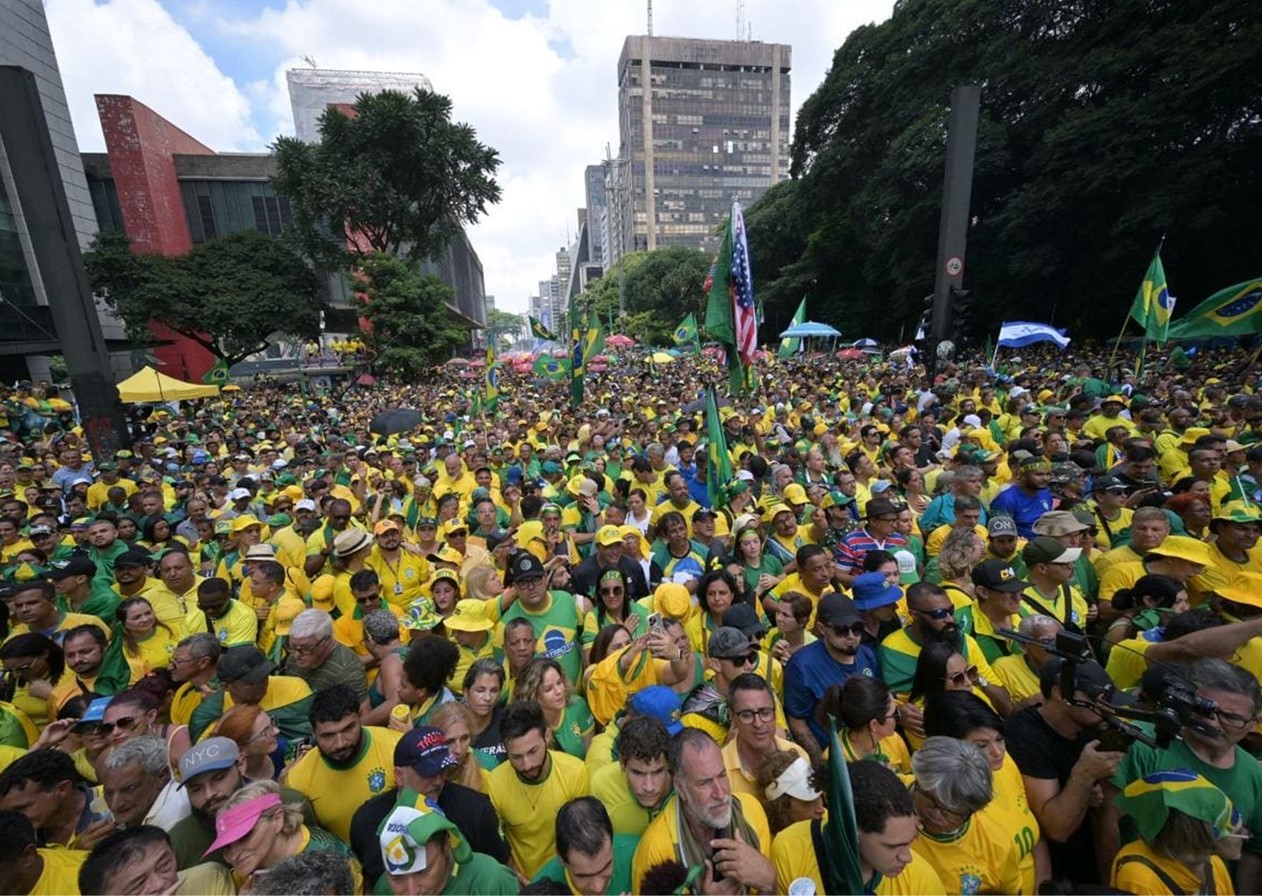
(39, 170)
(169, 192)
(597, 210)
(700, 121)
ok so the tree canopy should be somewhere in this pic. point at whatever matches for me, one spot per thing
(661, 287)
(1104, 126)
(508, 326)
(233, 294)
(398, 176)
(410, 328)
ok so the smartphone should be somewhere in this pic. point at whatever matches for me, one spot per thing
(655, 622)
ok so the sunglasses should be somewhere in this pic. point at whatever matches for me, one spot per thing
(855, 629)
(101, 729)
(959, 679)
(749, 659)
(938, 614)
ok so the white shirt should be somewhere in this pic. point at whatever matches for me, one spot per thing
(170, 806)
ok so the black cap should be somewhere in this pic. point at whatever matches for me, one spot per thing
(744, 617)
(77, 565)
(836, 609)
(998, 575)
(243, 663)
(133, 557)
(1107, 483)
(526, 565)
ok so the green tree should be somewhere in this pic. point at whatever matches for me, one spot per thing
(410, 327)
(398, 176)
(661, 287)
(234, 295)
(508, 326)
(1103, 126)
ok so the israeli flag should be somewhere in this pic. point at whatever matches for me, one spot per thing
(1020, 333)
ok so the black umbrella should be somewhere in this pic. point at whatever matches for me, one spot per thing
(398, 420)
(695, 407)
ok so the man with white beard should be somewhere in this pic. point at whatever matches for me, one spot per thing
(706, 824)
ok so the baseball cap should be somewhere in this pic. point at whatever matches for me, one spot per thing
(408, 828)
(1058, 522)
(527, 566)
(872, 591)
(998, 575)
(386, 525)
(1108, 483)
(133, 557)
(607, 536)
(794, 781)
(95, 711)
(661, 703)
(424, 750)
(497, 537)
(794, 493)
(245, 662)
(305, 504)
(233, 824)
(1091, 679)
(729, 643)
(211, 755)
(1002, 525)
(1045, 549)
(743, 617)
(836, 609)
(74, 566)
(238, 493)
(243, 522)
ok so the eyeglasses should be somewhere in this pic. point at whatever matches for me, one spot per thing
(270, 728)
(304, 649)
(854, 630)
(762, 714)
(959, 679)
(1232, 720)
(367, 598)
(938, 614)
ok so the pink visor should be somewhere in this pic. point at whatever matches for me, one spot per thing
(233, 824)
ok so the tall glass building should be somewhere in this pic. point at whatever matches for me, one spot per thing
(701, 122)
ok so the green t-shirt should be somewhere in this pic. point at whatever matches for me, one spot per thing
(481, 874)
(558, 628)
(623, 852)
(575, 723)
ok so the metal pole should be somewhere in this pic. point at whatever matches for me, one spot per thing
(957, 189)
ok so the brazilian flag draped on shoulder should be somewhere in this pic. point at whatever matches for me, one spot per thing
(539, 331)
(718, 459)
(1153, 303)
(1234, 311)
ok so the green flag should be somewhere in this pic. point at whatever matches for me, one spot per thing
(550, 368)
(1153, 305)
(491, 383)
(593, 337)
(719, 321)
(839, 866)
(686, 332)
(789, 347)
(1234, 311)
(718, 460)
(577, 357)
(539, 331)
(217, 375)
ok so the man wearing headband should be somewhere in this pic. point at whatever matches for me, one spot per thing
(1028, 498)
(423, 852)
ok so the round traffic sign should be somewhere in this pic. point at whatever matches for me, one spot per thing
(954, 265)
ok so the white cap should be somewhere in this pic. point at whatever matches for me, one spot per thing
(795, 781)
(745, 474)
(422, 481)
(305, 504)
(280, 463)
(973, 420)
(238, 493)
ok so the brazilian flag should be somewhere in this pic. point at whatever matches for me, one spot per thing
(217, 375)
(539, 331)
(549, 368)
(718, 459)
(491, 384)
(1233, 311)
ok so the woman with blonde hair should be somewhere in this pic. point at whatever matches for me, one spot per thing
(257, 831)
(456, 721)
(569, 720)
(961, 551)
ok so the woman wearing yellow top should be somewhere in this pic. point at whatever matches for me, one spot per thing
(1188, 826)
(966, 717)
(147, 642)
(33, 665)
(785, 791)
(793, 614)
(716, 593)
(868, 714)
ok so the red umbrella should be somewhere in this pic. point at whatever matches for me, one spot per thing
(850, 354)
(365, 379)
(619, 340)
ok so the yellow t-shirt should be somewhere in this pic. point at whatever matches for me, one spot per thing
(609, 785)
(1221, 571)
(9, 755)
(401, 580)
(1077, 603)
(152, 653)
(1127, 664)
(336, 793)
(527, 811)
(61, 872)
(1134, 877)
(1011, 812)
(238, 626)
(68, 621)
(170, 607)
(206, 879)
(979, 859)
(793, 854)
(744, 782)
(1015, 674)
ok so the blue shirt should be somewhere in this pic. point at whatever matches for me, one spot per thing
(811, 672)
(1024, 509)
(697, 490)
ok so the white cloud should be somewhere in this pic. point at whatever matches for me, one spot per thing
(134, 47)
(548, 113)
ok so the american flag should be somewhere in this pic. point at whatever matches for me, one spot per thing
(745, 316)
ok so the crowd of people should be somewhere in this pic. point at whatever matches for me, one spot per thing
(532, 647)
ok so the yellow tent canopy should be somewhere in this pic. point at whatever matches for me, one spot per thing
(149, 385)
